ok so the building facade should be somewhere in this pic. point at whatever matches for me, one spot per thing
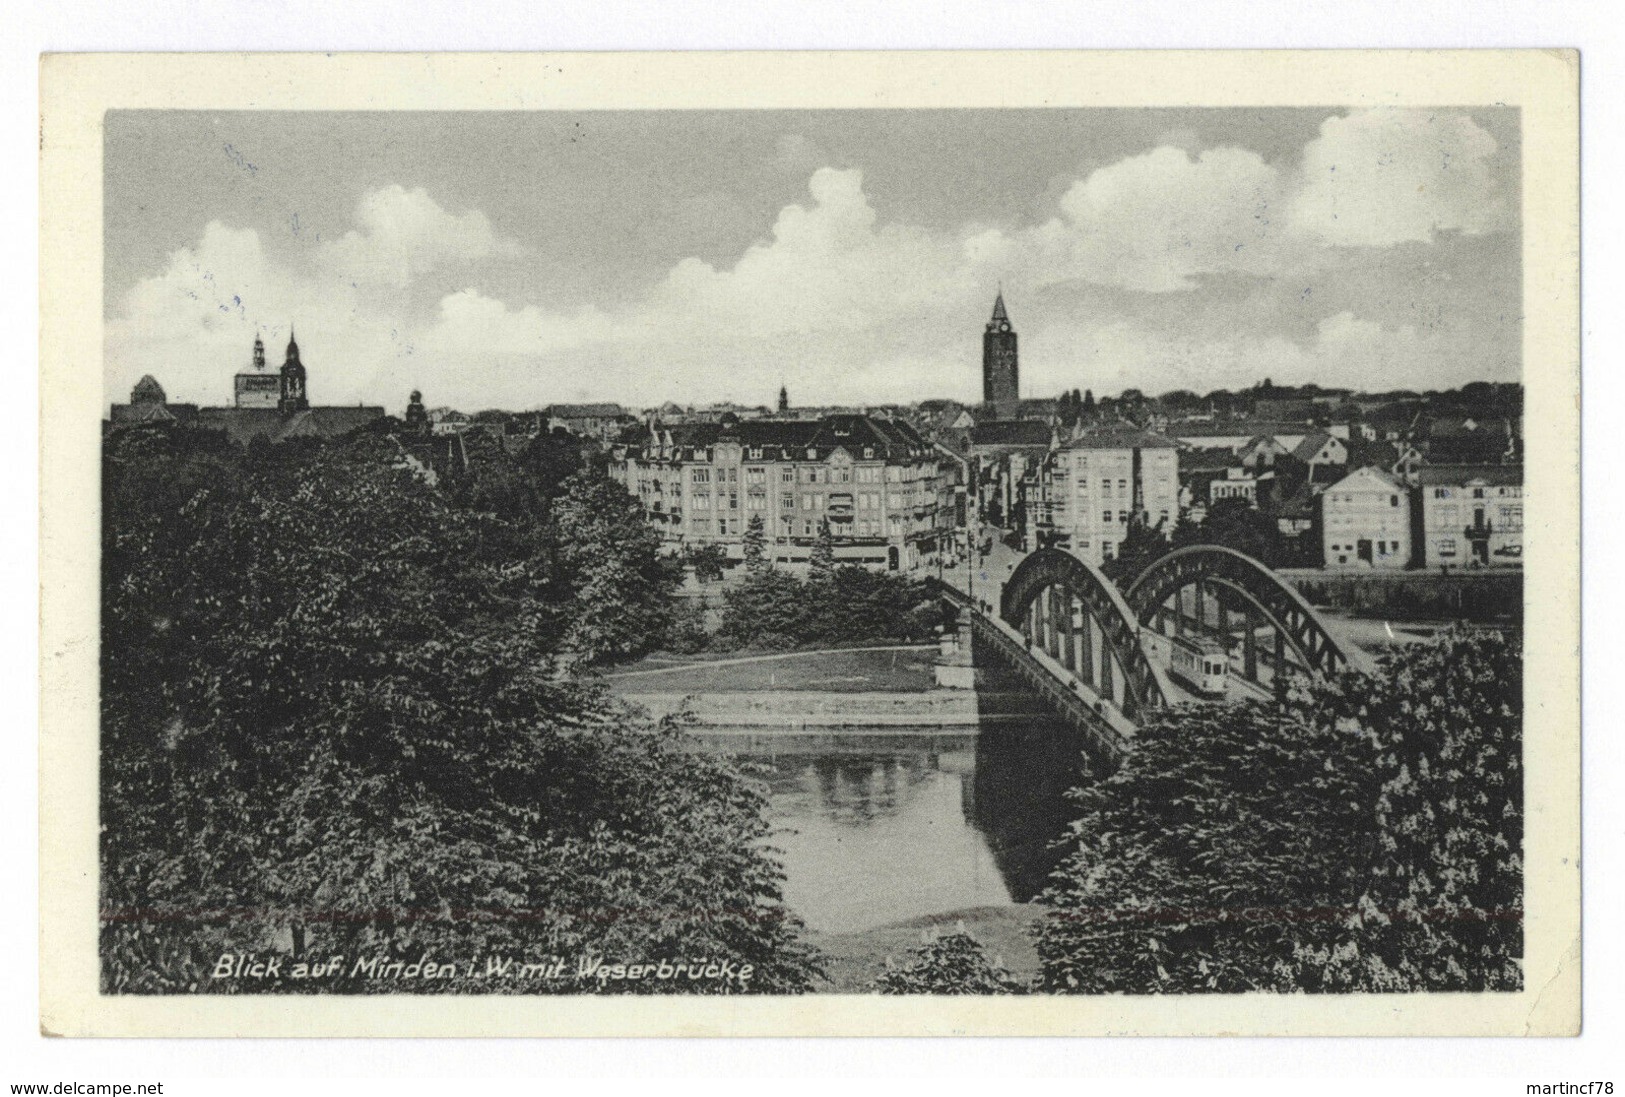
(1102, 483)
(1001, 369)
(888, 495)
(1006, 459)
(1366, 522)
(272, 407)
(1470, 516)
(601, 421)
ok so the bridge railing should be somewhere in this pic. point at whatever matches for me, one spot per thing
(1102, 722)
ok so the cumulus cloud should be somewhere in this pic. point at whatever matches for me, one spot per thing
(845, 306)
(1380, 177)
(405, 233)
(1152, 222)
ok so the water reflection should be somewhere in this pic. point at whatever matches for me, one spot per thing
(881, 827)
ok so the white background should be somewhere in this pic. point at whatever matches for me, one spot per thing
(1145, 1066)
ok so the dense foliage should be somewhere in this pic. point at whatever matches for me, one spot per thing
(773, 609)
(952, 964)
(1367, 835)
(337, 720)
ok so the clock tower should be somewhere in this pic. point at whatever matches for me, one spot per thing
(293, 396)
(1001, 388)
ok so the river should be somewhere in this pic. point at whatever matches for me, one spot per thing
(881, 826)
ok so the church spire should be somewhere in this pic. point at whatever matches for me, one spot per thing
(999, 315)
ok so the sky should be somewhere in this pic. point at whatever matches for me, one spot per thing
(512, 260)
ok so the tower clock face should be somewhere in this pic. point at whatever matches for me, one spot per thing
(1004, 326)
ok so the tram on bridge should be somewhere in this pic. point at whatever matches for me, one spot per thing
(1201, 663)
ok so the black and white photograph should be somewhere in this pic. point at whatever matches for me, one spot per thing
(1021, 553)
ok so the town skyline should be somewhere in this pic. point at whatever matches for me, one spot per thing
(1159, 250)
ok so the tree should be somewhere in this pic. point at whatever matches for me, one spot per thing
(951, 964)
(620, 591)
(821, 561)
(775, 610)
(707, 561)
(755, 544)
(1364, 836)
(335, 715)
(1236, 524)
(1141, 547)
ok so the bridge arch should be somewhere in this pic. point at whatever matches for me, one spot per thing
(1047, 592)
(1295, 621)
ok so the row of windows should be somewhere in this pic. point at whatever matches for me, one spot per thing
(791, 527)
(865, 500)
(1358, 520)
(1513, 491)
(1349, 497)
(1507, 515)
(1383, 547)
(866, 474)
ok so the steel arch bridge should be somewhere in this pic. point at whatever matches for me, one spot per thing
(1074, 613)
(1263, 597)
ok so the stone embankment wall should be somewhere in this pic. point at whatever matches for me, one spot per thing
(813, 709)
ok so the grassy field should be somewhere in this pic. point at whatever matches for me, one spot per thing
(834, 671)
(855, 960)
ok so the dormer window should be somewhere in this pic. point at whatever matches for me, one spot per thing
(868, 451)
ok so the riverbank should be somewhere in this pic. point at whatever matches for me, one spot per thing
(898, 668)
(855, 960)
(783, 708)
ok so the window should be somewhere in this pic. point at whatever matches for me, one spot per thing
(1106, 516)
(787, 501)
(1393, 500)
(787, 475)
(1447, 546)
(758, 501)
(868, 451)
(807, 502)
(1478, 493)
(1106, 489)
(1122, 488)
(807, 528)
(700, 476)
(756, 476)
(702, 502)
(701, 525)
(1122, 516)
(843, 476)
(756, 453)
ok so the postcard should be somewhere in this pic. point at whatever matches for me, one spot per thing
(810, 544)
